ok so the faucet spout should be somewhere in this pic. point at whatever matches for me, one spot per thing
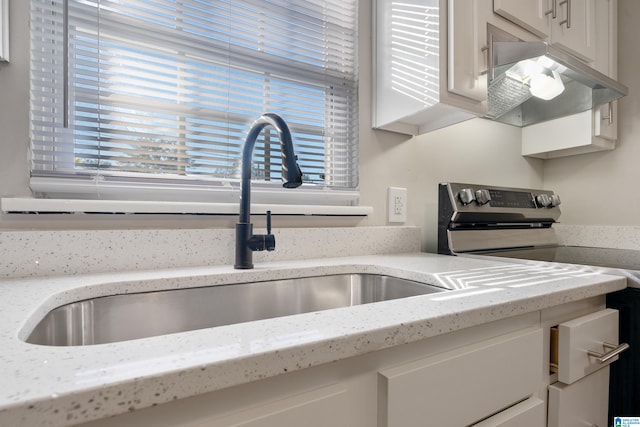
(246, 241)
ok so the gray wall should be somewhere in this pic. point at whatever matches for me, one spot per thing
(14, 105)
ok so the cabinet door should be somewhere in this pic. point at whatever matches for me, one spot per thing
(467, 61)
(532, 15)
(462, 386)
(327, 406)
(606, 61)
(331, 405)
(574, 28)
(530, 413)
(579, 336)
(583, 403)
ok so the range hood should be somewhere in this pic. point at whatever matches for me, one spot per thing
(531, 82)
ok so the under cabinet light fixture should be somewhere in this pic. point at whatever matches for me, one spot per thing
(531, 81)
(543, 81)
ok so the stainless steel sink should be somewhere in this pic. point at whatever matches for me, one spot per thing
(130, 316)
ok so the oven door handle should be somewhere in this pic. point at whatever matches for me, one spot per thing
(614, 350)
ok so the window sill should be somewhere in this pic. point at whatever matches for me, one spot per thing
(11, 205)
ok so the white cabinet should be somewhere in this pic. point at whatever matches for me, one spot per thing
(567, 24)
(605, 116)
(585, 348)
(573, 29)
(578, 337)
(584, 403)
(529, 413)
(410, 93)
(532, 15)
(490, 375)
(468, 47)
(576, 134)
(454, 372)
(430, 62)
(606, 61)
(274, 404)
(593, 130)
(467, 39)
(467, 61)
(435, 388)
(318, 408)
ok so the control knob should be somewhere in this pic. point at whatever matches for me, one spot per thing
(466, 196)
(543, 200)
(483, 197)
(555, 200)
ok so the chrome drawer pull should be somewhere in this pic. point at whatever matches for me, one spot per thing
(614, 351)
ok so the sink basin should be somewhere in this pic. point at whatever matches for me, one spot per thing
(131, 316)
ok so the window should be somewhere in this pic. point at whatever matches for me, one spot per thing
(147, 99)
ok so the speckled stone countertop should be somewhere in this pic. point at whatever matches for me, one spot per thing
(59, 386)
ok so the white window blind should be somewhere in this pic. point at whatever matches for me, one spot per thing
(156, 96)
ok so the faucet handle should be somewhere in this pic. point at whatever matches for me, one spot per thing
(269, 242)
(263, 242)
(269, 239)
(268, 222)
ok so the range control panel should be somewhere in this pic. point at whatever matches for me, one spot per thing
(475, 202)
(475, 217)
(501, 198)
(465, 194)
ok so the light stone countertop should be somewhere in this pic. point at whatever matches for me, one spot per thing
(59, 386)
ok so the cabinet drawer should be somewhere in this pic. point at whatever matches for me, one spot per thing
(488, 377)
(583, 403)
(529, 413)
(577, 337)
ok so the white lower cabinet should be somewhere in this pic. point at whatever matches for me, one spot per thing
(464, 386)
(528, 413)
(586, 346)
(581, 336)
(490, 375)
(327, 406)
(583, 403)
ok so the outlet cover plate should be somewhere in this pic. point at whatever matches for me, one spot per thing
(397, 204)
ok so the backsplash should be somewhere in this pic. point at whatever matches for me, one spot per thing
(44, 253)
(599, 236)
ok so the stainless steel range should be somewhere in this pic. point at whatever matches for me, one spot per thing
(480, 218)
(517, 225)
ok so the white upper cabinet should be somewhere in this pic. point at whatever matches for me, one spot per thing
(605, 116)
(566, 24)
(590, 131)
(467, 50)
(431, 58)
(430, 62)
(410, 84)
(468, 47)
(574, 28)
(606, 60)
(532, 15)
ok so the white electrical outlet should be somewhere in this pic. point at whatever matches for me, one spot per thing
(397, 203)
